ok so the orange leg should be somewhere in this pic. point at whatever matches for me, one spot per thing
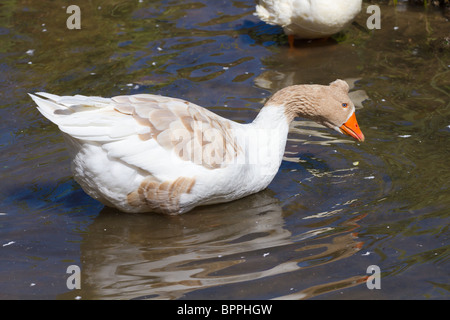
(291, 40)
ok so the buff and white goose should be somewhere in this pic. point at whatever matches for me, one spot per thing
(149, 153)
(308, 19)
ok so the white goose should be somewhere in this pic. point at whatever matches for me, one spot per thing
(308, 19)
(145, 152)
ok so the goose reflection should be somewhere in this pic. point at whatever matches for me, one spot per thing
(152, 256)
(148, 256)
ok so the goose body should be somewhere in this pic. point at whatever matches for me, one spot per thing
(309, 19)
(150, 153)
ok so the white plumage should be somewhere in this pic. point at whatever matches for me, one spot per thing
(309, 19)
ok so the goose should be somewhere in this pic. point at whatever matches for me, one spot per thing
(308, 19)
(151, 153)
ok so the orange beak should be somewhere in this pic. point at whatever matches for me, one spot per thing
(352, 129)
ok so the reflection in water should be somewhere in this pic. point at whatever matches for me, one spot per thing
(165, 257)
(157, 257)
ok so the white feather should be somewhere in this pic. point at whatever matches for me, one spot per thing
(309, 19)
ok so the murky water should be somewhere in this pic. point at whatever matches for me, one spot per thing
(335, 208)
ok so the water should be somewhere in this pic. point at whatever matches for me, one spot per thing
(335, 208)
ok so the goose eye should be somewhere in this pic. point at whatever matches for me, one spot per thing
(344, 105)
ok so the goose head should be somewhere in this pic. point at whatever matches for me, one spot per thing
(327, 105)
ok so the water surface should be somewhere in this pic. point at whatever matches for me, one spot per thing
(335, 207)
